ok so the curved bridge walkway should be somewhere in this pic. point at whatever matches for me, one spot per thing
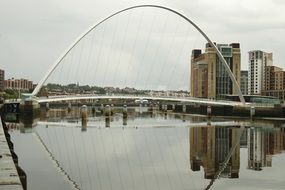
(157, 98)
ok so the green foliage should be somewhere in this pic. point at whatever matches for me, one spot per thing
(53, 86)
(11, 94)
(98, 90)
(74, 88)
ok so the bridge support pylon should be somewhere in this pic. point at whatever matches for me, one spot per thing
(93, 110)
(84, 116)
(29, 108)
(47, 106)
(184, 108)
(252, 112)
(125, 111)
(209, 111)
(69, 107)
(107, 111)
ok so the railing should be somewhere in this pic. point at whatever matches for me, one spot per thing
(12, 100)
(158, 96)
(154, 96)
(134, 96)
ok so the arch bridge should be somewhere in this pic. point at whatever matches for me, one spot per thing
(67, 51)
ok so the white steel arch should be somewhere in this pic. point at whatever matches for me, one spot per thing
(53, 67)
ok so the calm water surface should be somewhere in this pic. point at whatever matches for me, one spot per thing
(149, 151)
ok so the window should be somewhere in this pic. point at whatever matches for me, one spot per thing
(226, 51)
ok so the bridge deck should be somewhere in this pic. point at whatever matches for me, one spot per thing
(158, 98)
(9, 178)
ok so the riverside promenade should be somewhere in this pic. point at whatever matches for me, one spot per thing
(9, 178)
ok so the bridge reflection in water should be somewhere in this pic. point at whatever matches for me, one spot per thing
(150, 150)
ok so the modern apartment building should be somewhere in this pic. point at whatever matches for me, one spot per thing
(2, 78)
(209, 78)
(258, 60)
(244, 82)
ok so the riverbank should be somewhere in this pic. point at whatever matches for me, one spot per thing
(12, 177)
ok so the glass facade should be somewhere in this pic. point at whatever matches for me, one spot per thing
(256, 99)
(264, 100)
(244, 82)
(223, 81)
(226, 51)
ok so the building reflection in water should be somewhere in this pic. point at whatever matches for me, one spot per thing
(209, 147)
(262, 145)
(27, 124)
(53, 113)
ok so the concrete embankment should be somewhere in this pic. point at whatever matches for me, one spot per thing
(12, 177)
(276, 111)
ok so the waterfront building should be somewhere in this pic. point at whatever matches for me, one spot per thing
(244, 82)
(275, 82)
(209, 78)
(258, 61)
(18, 84)
(2, 80)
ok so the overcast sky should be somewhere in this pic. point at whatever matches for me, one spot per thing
(34, 33)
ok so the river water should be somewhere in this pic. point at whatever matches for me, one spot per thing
(149, 150)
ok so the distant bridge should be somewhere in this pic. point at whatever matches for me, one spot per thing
(135, 97)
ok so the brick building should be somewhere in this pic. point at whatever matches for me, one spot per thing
(18, 84)
(2, 80)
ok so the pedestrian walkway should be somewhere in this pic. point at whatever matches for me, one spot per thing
(9, 178)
